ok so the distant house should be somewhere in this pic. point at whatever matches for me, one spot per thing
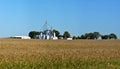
(69, 39)
(21, 37)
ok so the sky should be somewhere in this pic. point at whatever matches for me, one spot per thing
(19, 17)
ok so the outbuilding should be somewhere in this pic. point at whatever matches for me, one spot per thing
(21, 37)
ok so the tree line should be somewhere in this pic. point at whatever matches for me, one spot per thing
(96, 35)
(66, 34)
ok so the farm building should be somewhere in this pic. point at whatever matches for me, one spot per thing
(21, 37)
(69, 39)
(47, 33)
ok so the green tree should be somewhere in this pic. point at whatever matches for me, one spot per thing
(66, 34)
(96, 35)
(56, 32)
(33, 34)
(87, 36)
(74, 37)
(83, 37)
(90, 36)
(112, 36)
(78, 37)
(105, 36)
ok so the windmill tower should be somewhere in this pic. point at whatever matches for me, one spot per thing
(45, 26)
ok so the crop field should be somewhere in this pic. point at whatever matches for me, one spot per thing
(59, 54)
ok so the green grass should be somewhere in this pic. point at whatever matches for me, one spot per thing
(62, 65)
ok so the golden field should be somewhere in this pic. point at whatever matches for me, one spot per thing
(59, 54)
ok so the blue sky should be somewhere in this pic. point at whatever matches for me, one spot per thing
(19, 17)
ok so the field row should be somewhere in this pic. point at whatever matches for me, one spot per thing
(59, 54)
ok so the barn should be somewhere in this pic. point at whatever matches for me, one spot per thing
(21, 37)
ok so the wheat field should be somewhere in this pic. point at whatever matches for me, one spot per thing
(59, 54)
